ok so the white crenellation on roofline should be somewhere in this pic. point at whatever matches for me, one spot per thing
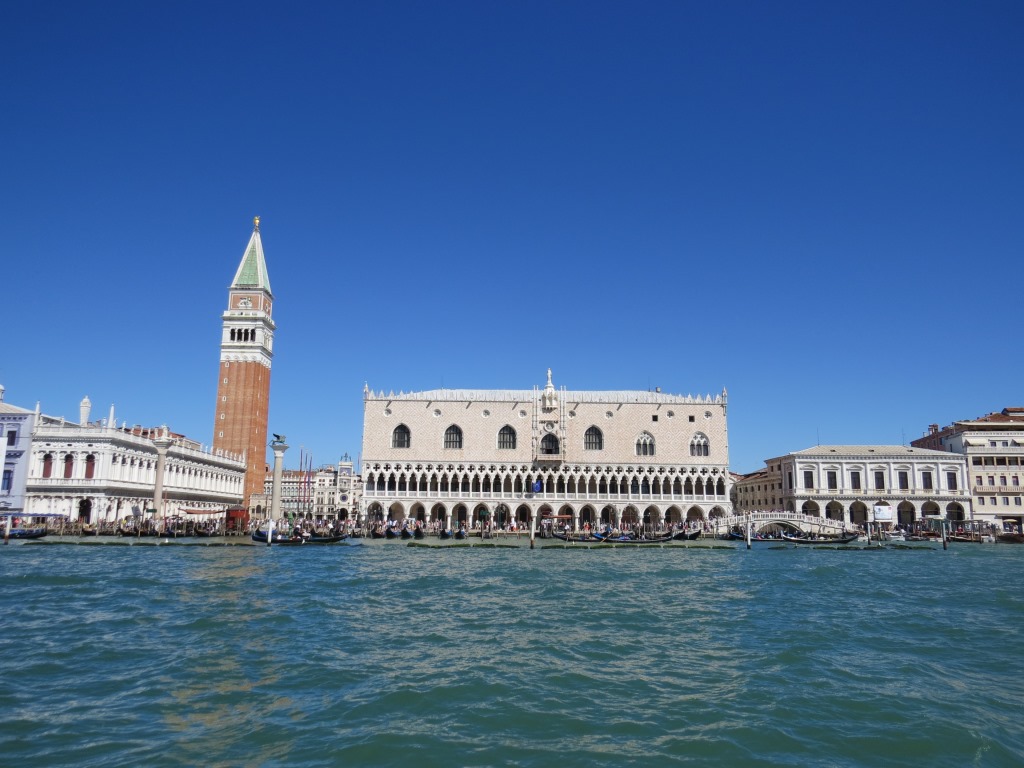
(524, 395)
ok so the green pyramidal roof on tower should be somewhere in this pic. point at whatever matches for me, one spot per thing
(252, 271)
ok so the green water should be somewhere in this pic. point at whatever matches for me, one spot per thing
(384, 654)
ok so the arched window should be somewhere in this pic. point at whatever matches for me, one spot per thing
(593, 440)
(453, 437)
(69, 465)
(645, 444)
(507, 437)
(700, 445)
(549, 445)
(90, 467)
(48, 465)
(401, 437)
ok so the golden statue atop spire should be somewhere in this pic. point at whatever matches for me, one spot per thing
(256, 223)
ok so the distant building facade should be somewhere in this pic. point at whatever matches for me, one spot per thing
(95, 472)
(452, 456)
(246, 351)
(760, 490)
(993, 447)
(16, 425)
(861, 483)
(330, 492)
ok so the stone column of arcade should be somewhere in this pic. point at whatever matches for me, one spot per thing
(279, 447)
(162, 443)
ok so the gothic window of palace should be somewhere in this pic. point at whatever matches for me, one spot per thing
(453, 437)
(401, 437)
(700, 445)
(507, 437)
(593, 440)
(645, 444)
(549, 445)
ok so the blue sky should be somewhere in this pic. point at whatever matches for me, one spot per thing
(813, 205)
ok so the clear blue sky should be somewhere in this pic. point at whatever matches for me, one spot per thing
(817, 206)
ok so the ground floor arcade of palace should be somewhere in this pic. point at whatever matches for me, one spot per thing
(475, 513)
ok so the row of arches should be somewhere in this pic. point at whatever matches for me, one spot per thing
(67, 466)
(516, 484)
(136, 469)
(243, 334)
(471, 515)
(906, 513)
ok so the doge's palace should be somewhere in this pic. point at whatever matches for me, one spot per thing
(454, 456)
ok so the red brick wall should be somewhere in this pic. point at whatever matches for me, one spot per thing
(240, 424)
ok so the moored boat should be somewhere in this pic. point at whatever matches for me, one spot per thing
(687, 535)
(260, 537)
(333, 539)
(25, 533)
(846, 539)
(608, 538)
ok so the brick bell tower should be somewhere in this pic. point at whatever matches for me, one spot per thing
(246, 349)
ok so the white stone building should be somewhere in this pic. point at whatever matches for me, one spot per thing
(861, 483)
(636, 457)
(95, 472)
(16, 426)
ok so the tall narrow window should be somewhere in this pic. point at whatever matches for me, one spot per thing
(401, 437)
(549, 445)
(507, 438)
(69, 465)
(12, 437)
(879, 481)
(645, 445)
(808, 478)
(7, 480)
(593, 440)
(453, 437)
(48, 465)
(855, 480)
(951, 481)
(926, 481)
(833, 480)
(904, 480)
(90, 467)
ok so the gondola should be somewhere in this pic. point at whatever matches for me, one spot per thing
(687, 535)
(623, 539)
(326, 539)
(575, 538)
(460, 534)
(1010, 538)
(406, 533)
(377, 533)
(391, 533)
(418, 533)
(446, 533)
(830, 540)
(129, 532)
(25, 533)
(260, 537)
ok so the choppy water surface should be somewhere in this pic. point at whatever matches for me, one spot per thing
(382, 654)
